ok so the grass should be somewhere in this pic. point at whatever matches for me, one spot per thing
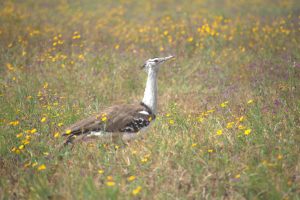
(228, 114)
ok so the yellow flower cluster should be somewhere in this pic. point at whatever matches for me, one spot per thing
(110, 182)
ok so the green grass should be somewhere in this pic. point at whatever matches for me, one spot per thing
(67, 60)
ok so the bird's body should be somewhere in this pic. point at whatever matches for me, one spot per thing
(121, 121)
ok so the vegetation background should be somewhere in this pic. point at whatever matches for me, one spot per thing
(228, 116)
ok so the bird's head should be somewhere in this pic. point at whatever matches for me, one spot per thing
(154, 63)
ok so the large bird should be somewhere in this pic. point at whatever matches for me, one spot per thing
(121, 121)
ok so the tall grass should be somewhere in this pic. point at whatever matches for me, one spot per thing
(228, 116)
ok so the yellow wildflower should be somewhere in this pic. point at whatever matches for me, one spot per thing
(10, 67)
(56, 135)
(131, 178)
(219, 132)
(250, 101)
(171, 121)
(43, 119)
(241, 127)
(242, 118)
(81, 57)
(230, 125)
(110, 183)
(200, 119)
(279, 157)
(194, 144)
(60, 124)
(104, 119)
(68, 131)
(76, 35)
(25, 142)
(19, 135)
(224, 104)
(247, 132)
(137, 190)
(190, 39)
(144, 160)
(238, 176)
(33, 131)
(14, 123)
(210, 150)
(21, 147)
(211, 111)
(39, 94)
(42, 167)
(100, 171)
(207, 29)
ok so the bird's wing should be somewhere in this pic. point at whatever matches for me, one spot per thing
(120, 118)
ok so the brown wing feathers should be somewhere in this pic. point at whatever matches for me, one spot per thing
(120, 118)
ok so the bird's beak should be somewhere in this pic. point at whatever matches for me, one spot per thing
(161, 60)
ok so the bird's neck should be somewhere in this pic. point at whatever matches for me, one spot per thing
(150, 94)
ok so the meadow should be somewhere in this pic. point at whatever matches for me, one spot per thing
(228, 105)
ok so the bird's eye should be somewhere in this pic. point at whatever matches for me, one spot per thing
(155, 61)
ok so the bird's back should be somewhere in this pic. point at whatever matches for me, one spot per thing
(116, 120)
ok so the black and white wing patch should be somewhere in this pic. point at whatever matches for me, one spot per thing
(142, 120)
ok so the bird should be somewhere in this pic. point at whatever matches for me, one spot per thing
(121, 122)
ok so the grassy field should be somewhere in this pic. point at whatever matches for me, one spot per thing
(229, 104)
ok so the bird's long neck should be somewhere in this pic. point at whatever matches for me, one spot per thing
(150, 94)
